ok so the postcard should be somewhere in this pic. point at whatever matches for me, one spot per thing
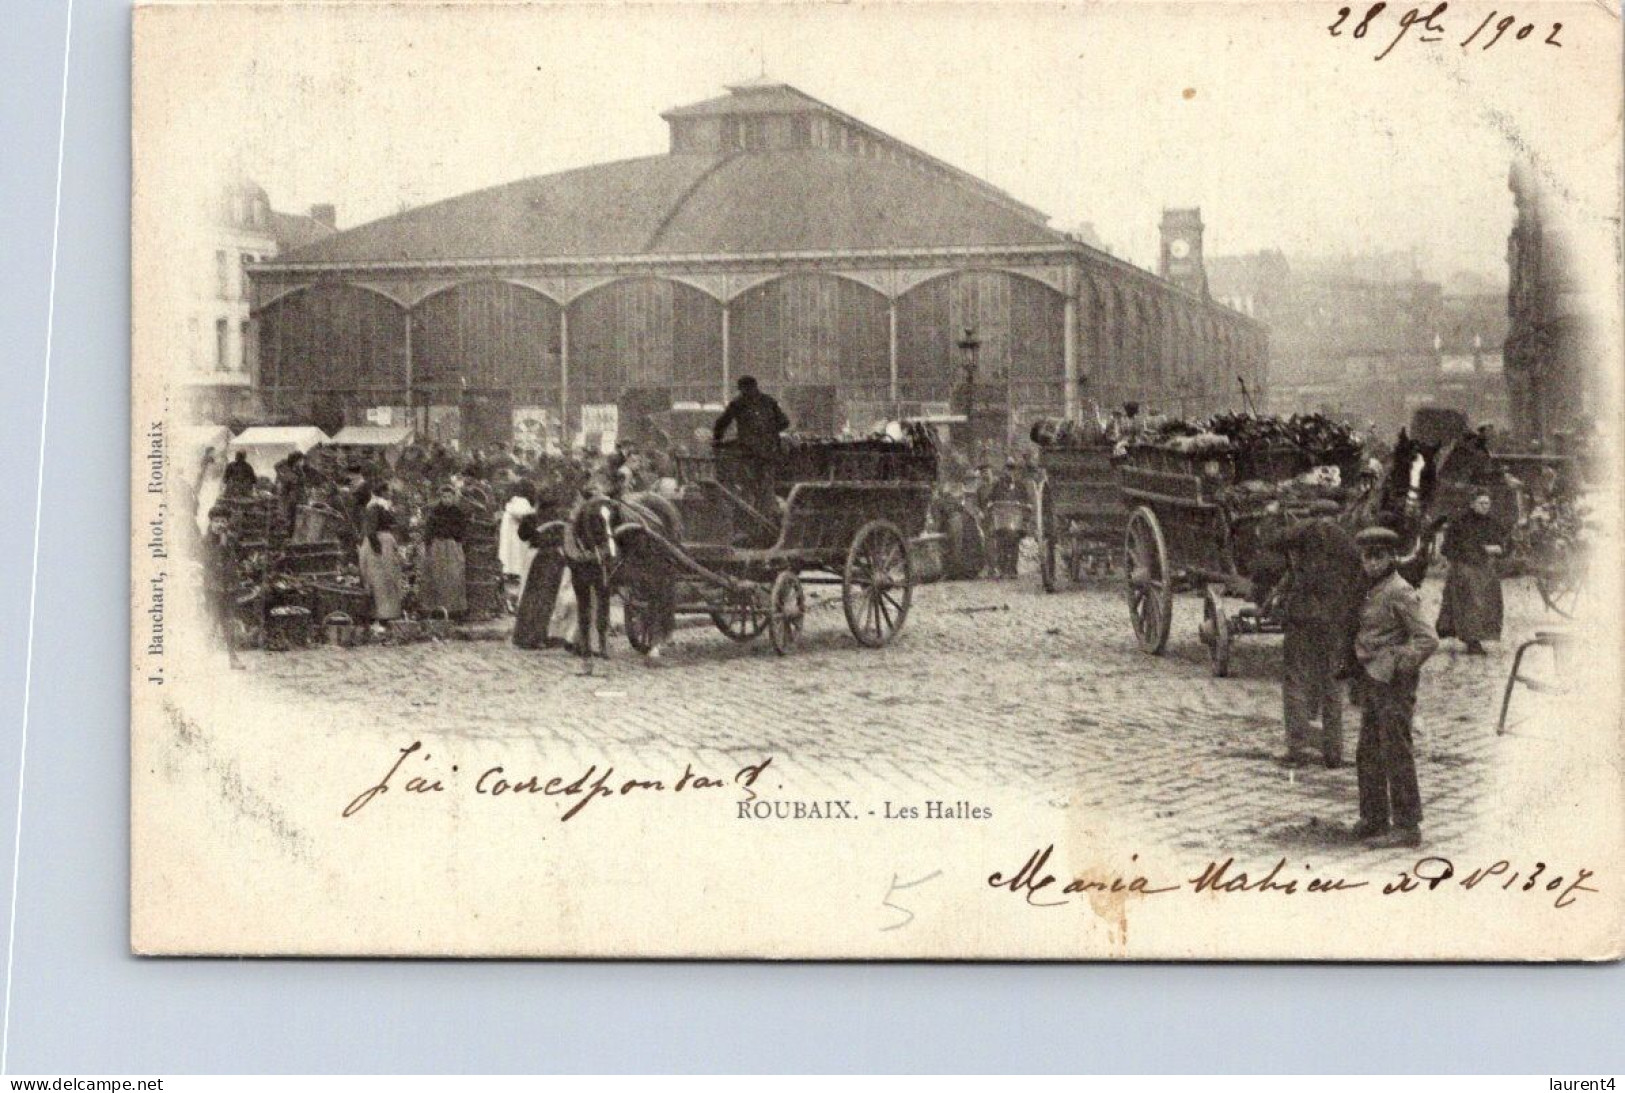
(966, 481)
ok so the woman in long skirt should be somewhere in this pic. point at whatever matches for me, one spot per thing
(513, 552)
(381, 571)
(442, 586)
(1472, 604)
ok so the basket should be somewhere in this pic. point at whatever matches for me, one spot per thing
(485, 599)
(437, 626)
(340, 630)
(334, 599)
(308, 558)
(287, 627)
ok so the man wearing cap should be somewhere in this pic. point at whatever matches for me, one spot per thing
(1390, 646)
(1319, 594)
(758, 420)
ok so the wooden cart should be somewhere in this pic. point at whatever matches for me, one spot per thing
(1182, 534)
(849, 511)
(1080, 513)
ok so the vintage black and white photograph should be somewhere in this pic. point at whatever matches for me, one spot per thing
(962, 480)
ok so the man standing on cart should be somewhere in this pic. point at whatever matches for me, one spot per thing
(758, 420)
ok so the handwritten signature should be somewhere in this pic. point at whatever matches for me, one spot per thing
(1041, 888)
(589, 785)
(1430, 27)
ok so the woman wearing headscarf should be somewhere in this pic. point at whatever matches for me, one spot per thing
(1472, 607)
(442, 585)
(512, 551)
(381, 571)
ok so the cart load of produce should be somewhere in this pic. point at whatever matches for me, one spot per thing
(1315, 434)
(902, 451)
(1320, 491)
(1309, 440)
(1070, 433)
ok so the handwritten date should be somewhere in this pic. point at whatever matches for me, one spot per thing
(1429, 26)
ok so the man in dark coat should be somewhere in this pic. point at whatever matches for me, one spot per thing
(290, 487)
(757, 420)
(238, 478)
(1319, 594)
(1006, 540)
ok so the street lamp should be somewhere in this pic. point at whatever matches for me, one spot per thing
(969, 344)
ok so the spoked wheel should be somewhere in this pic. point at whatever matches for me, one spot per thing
(742, 619)
(639, 614)
(1559, 588)
(1215, 631)
(1150, 585)
(786, 611)
(878, 583)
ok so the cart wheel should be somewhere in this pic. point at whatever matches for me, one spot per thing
(878, 583)
(1150, 585)
(1215, 631)
(741, 620)
(639, 619)
(786, 611)
(1559, 588)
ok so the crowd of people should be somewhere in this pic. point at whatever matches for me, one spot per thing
(1346, 599)
(409, 522)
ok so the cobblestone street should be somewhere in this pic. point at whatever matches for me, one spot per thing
(991, 683)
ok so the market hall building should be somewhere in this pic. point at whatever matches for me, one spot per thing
(855, 276)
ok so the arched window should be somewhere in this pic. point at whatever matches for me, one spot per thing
(333, 337)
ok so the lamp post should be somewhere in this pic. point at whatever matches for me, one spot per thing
(969, 344)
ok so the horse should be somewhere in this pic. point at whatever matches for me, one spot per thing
(591, 550)
(1402, 500)
(648, 527)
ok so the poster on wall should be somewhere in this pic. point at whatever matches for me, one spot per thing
(446, 426)
(600, 426)
(536, 429)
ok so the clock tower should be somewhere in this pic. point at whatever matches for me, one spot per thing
(1181, 260)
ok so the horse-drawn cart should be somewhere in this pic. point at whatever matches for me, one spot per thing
(848, 511)
(1080, 512)
(1200, 519)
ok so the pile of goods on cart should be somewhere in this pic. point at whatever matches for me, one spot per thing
(1092, 430)
(904, 451)
(1259, 456)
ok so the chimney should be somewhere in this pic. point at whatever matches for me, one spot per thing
(325, 214)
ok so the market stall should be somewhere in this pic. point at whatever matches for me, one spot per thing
(268, 445)
(388, 441)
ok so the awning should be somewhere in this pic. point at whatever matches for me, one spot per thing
(267, 445)
(372, 436)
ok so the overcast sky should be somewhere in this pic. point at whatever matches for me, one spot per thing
(1286, 137)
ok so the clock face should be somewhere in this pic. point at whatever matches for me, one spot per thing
(1179, 248)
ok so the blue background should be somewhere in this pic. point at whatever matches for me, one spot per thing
(81, 1004)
